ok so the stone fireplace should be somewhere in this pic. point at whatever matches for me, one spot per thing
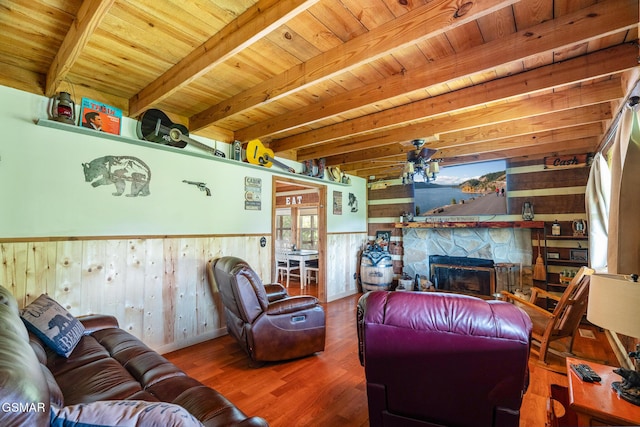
(507, 248)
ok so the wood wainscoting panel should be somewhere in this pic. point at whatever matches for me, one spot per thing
(343, 258)
(156, 287)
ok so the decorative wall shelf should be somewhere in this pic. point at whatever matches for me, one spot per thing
(562, 261)
(472, 224)
(141, 143)
(552, 237)
(563, 245)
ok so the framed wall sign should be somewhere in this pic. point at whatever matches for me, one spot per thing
(579, 255)
(337, 202)
(563, 162)
(252, 193)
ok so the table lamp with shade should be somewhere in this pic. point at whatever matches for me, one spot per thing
(614, 300)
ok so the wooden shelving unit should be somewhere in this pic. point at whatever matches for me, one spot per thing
(567, 251)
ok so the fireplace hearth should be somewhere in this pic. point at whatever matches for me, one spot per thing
(474, 276)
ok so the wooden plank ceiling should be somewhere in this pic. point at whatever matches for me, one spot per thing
(353, 81)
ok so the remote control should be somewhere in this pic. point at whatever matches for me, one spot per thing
(582, 374)
(585, 373)
(595, 377)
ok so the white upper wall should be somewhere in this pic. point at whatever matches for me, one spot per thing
(43, 192)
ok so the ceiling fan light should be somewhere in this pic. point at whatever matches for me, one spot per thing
(434, 167)
(408, 168)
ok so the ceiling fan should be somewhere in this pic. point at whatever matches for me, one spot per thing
(419, 163)
(419, 166)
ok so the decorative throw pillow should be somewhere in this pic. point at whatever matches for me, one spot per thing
(54, 325)
(123, 413)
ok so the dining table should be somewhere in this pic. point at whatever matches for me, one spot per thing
(302, 256)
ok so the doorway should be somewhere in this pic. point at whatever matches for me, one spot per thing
(299, 218)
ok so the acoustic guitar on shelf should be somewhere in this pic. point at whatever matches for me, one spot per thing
(155, 126)
(258, 154)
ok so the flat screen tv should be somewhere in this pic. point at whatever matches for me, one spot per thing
(465, 190)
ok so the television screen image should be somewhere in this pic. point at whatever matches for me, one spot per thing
(458, 190)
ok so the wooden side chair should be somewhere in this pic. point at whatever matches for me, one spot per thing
(564, 320)
(286, 266)
(311, 269)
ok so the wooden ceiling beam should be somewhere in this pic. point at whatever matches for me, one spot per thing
(587, 131)
(613, 60)
(378, 173)
(544, 138)
(89, 17)
(564, 32)
(385, 152)
(543, 122)
(426, 21)
(596, 93)
(375, 163)
(542, 150)
(538, 151)
(255, 23)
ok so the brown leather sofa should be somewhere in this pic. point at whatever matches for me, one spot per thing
(108, 364)
(437, 359)
(269, 324)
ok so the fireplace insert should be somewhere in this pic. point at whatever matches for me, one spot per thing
(474, 276)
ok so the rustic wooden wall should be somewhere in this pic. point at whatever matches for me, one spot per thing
(156, 287)
(556, 193)
(343, 263)
(552, 191)
(385, 205)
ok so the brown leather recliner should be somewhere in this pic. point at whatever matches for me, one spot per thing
(438, 359)
(269, 327)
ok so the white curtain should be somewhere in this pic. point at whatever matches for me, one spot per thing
(597, 200)
(623, 251)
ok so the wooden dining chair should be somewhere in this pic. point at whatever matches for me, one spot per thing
(286, 266)
(561, 323)
(311, 269)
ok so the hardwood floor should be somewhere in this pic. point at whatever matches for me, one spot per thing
(328, 389)
(309, 289)
(534, 403)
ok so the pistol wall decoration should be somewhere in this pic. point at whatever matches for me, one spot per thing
(201, 186)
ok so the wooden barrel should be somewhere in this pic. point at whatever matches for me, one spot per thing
(376, 271)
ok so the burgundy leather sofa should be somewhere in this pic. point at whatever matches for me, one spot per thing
(107, 365)
(268, 324)
(437, 359)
